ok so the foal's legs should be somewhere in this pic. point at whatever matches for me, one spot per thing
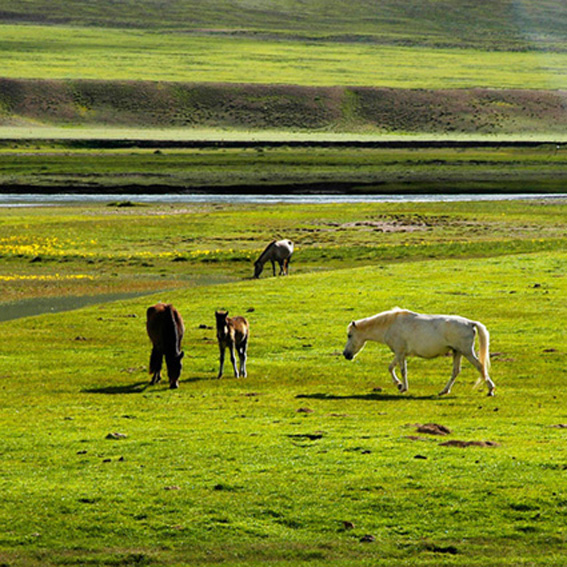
(273, 267)
(156, 360)
(242, 355)
(233, 360)
(222, 349)
(457, 357)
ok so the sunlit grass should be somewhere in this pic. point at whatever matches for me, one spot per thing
(83, 53)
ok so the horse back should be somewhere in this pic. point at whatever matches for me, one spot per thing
(164, 325)
(240, 326)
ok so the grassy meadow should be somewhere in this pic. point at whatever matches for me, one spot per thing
(311, 460)
(32, 52)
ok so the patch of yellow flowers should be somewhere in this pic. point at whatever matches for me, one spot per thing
(44, 278)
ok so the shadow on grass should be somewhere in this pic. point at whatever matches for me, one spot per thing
(372, 396)
(137, 387)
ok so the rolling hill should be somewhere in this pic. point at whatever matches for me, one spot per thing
(431, 67)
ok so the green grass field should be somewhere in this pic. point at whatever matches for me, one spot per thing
(33, 52)
(299, 462)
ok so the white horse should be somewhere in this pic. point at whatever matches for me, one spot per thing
(279, 251)
(427, 336)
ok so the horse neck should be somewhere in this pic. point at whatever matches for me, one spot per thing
(374, 328)
(223, 328)
(265, 255)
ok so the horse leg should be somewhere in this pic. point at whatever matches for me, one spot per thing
(457, 357)
(222, 349)
(242, 355)
(156, 360)
(273, 267)
(392, 369)
(471, 357)
(233, 361)
(404, 370)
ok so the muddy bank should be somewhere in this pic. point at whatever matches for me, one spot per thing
(281, 107)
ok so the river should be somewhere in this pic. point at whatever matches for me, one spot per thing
(38, 199)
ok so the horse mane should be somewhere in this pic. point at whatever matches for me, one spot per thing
(384, 319)
(261, 257)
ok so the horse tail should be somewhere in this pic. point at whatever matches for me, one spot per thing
(483, 351)
(170, 331)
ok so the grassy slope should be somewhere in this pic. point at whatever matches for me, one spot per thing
(431, 45)
(461, 23)
(226, 470)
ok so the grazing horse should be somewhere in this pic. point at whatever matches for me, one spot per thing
(165, 329)
(426, 336)
(279, 251)
(232, 332)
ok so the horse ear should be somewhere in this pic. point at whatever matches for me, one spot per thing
(354, 324)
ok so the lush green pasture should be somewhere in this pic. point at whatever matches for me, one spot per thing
(52, 251)
(269, 468)
(70, 53)
(381, 170)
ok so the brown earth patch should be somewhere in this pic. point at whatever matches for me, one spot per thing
(462, 444)
(433, 429)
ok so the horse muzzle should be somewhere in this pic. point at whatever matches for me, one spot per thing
(348, 355)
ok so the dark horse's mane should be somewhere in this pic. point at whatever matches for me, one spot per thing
(266, 250)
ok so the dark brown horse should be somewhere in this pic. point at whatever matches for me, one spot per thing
(165, 329)
(232, 332)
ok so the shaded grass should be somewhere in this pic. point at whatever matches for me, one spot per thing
(456, 23)
(40, 166)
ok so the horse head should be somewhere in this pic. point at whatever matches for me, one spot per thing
(258, 267)
(355, 341)
(174, 367)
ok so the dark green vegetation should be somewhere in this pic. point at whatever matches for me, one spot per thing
(312, 460)
(124, 166)
(503, 25)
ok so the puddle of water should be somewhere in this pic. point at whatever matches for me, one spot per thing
(39, 306)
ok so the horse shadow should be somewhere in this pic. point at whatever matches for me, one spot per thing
(135, 388)
(370, 397)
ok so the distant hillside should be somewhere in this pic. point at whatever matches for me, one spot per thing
(291, 108)
(485, 24)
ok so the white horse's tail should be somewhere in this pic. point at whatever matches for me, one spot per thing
(483, 351)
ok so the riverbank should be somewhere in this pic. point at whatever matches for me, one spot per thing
(239, 167)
